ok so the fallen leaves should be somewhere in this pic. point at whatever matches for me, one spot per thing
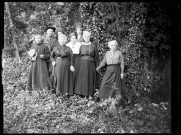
(43, 112)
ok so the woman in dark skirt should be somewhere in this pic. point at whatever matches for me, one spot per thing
(114, 72)
(62, 60)
(75, 46)
(38, 74)
(86, 82)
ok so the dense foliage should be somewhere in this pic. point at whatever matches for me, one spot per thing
(43, 112)
(143, 33)
(143, 40)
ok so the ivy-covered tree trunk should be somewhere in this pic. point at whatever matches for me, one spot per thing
(123, 22)
(13, 33)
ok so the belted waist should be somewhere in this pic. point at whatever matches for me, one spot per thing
(63, 58)
(113, 64)
(86, 55)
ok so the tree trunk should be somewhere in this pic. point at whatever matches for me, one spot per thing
(13, 33)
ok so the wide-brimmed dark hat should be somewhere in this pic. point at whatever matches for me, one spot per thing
(50, 27)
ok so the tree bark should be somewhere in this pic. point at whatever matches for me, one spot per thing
(13, 33)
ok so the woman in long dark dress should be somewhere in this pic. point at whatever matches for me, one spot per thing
(62, 60)
(114, 72)
(86, 82)
(38, 74)
(75, 46)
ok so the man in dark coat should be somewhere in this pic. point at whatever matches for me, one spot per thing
(50, 41)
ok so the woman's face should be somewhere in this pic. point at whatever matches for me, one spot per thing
(49, 32)
(86, 38)
(38, 39)
(62, 40)
(112, 46)
(73, 39)
(79, 31)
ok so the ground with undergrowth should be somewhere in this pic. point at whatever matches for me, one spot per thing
(43, 112)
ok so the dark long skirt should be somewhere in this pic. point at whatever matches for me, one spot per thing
(110, 81)
(86, 82)
(50, 67)
(38, 75)
(76, 64)
(64, 77)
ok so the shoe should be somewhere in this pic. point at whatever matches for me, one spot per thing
(53, 91)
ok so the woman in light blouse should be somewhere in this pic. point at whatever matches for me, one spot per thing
(114, 72)
(75, 46)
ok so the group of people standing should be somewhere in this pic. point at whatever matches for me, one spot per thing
(73, 64)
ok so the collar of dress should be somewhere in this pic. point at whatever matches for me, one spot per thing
(73, 44)
(86, 43)
(113, 51)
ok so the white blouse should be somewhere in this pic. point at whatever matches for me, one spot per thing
(78, 37)
(75, 47)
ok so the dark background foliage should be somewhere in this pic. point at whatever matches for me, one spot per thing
(143, 31)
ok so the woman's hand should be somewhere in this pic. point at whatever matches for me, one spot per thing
(97, 69)
(72, 68)
(33, 58)
(41, 56)
(53, 63)
(122, 75)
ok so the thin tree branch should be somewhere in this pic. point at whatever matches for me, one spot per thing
(27, 22)
(13, 30)
(42, 20)
(48, 13)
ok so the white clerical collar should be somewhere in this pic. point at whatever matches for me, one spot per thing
(113, 51)
(86, 43)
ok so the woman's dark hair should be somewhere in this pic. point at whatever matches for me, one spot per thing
(73, 34)
(79, 26)
(49, 27)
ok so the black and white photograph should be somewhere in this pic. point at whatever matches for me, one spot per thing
(88, 67)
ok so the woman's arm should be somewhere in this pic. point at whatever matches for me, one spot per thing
(71, 59)
(122, 63)
(52, 55)
(96, 56)
(70, 55)
(46, 53)
(103, 63)
(80, 49)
